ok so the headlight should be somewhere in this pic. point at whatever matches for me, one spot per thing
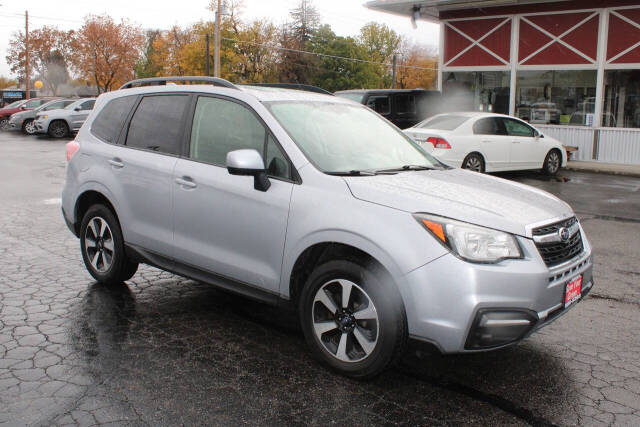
(471, 242)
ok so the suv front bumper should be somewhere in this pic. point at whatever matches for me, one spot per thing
(461, 307)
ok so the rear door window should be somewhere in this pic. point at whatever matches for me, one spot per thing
(111, 118)
(380, 104)
(157, 123)
(489, 126)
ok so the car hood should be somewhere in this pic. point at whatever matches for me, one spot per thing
(21, 114)
(466, 196)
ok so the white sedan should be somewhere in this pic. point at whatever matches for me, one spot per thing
(488, 142)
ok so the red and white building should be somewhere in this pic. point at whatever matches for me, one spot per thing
(571, 67)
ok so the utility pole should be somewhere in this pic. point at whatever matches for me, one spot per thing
(395, 62)
(26, 56)
(206, 38)
(216, 59)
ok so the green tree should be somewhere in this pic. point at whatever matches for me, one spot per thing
(380, 44)
(333, 71)
(148, 66)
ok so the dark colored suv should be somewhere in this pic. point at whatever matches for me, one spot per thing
(402, 107)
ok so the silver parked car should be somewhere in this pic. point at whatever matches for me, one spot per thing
(61, 123)
(317, 203)
(24, 121)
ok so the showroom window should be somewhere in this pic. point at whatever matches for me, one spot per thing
(556, 97)
(476, 91)
(621, 99)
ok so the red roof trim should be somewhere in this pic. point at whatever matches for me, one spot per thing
(535, 8)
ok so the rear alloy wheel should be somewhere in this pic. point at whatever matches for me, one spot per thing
(58, 129)
(29, 127)
(552, 163)
(473, 162)
(103, 247)
(4, 123)
(352, 320)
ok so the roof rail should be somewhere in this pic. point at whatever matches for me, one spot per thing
(158, 81)
(296, 86)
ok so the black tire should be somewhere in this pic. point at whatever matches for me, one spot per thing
(390, 323)
(4, 123)
(474, 162)
(104, 257)
(28, 127)
(552, 162)
(58, 129)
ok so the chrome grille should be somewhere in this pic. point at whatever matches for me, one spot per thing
(553, 228)
(555, 253)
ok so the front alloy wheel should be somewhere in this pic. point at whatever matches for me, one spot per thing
(345, 320)
(352, 317)
(58, 129)
(4, 123)
(30, 127)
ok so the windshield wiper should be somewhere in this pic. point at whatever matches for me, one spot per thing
(407, 168)
(352, 173)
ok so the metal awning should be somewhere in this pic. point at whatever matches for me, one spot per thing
(431, 9)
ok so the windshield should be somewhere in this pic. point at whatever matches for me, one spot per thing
(50, 105)
(16, 103)
(443, 122)
(342, 138)
(352, 96)
(73, 105)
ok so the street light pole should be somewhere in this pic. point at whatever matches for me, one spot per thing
(216, 58)
(26, 54)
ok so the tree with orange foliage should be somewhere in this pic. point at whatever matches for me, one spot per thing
(417, 68)
(49, 50)
(105, 52)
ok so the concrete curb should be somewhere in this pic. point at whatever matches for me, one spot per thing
(623, 170)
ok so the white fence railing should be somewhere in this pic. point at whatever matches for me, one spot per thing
(619, 145)
(615, 145)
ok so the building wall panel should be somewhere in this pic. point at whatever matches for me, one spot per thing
(624, 35)
(560, 38)
(573, 136)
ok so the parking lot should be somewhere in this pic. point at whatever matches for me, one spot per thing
(164, 350)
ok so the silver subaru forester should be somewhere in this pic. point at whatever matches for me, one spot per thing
(317, 203)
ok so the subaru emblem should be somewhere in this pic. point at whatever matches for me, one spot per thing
(563, 233)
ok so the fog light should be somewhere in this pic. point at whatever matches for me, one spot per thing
(497, 327)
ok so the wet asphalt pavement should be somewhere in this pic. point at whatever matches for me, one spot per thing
(164, 350)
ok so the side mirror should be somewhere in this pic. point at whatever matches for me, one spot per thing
(76, 109)
(249, 163)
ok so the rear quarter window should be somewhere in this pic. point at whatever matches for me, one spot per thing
(108, 124)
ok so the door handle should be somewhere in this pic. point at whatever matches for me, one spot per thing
(486, 141)
(116, 163)
(186, 182)
(516, 142)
